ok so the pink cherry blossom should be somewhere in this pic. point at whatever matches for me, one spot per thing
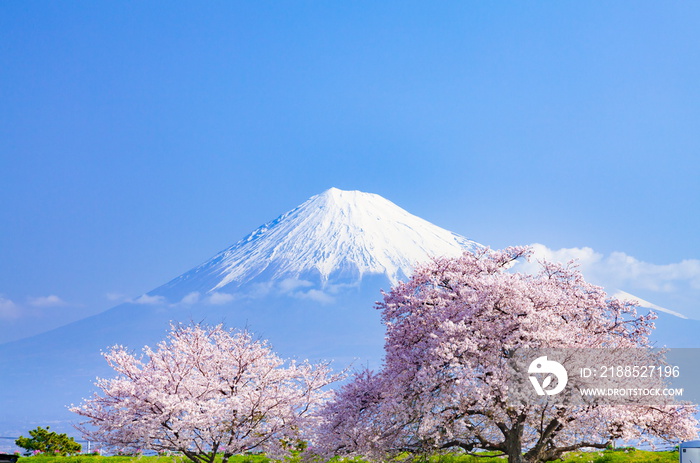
(450, 332)
(203, 391)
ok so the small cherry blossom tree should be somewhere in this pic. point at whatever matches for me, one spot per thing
(452, 330)
(203, 391)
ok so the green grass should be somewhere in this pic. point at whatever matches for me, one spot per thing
(621, 456)
(98, 459)
(607, 456)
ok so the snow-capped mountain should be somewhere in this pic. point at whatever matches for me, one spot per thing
(307, 282)
(334, 236)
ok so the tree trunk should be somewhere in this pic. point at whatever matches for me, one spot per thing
(514, 446)
(515, 454)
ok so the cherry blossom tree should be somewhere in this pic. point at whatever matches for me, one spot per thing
(203, 391)
(451, 333)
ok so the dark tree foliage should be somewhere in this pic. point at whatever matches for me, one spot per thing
(46, 441)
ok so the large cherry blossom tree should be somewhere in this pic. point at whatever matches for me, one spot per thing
(203, 391)
(451, 333)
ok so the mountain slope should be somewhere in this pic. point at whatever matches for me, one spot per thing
(334, 236)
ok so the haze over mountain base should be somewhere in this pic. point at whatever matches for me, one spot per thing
(45, 373)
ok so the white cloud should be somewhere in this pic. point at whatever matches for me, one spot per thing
(314, 295)
(583, 256)
(46, 301)
(191, 298)
(217, 298)
(290, 284)
(339, 287)
(8, 309)
(677, 284)
(622, 270)
(668, 277)
(150, 300)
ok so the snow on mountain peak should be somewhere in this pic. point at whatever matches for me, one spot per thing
(336, 233)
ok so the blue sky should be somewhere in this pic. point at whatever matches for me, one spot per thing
(137, 139)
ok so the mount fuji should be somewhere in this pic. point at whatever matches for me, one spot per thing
(306, 281)
(337, 237)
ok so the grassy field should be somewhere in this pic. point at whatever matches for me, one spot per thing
(608, 456)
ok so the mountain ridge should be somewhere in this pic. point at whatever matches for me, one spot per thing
(346, 234)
